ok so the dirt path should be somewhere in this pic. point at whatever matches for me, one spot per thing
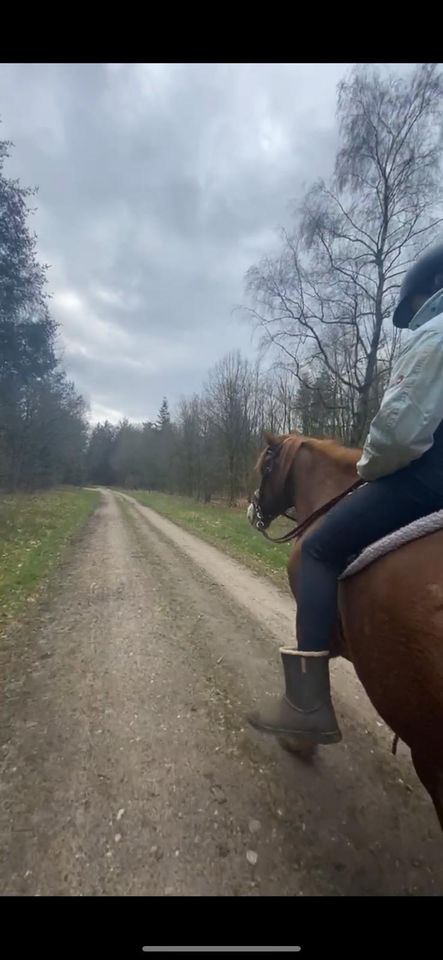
(126, 765)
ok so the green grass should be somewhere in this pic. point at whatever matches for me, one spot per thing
(34, 531)
(227, 528)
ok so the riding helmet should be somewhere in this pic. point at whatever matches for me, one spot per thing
(425, 277)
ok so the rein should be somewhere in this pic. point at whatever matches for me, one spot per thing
(301, 528)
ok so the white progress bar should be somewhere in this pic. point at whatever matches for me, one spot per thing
(221, 949)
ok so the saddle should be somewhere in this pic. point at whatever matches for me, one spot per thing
(413, 531)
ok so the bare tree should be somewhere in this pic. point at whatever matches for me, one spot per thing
(324, 301)
(195, 462)
(227, 399)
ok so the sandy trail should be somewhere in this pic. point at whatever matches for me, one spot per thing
(126, 764)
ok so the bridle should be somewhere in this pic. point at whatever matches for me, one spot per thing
(300, 528)
(262, 523)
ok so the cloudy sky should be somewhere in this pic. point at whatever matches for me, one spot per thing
(159, 185)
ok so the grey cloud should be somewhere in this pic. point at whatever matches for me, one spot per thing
(158, 186)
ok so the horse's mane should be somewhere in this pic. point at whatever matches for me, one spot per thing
(291, 442)
(345, 456)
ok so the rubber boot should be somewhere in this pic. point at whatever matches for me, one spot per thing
(305, 713)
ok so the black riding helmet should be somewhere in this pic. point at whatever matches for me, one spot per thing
(425, 277)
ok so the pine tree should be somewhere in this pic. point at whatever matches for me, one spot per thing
(164, 417)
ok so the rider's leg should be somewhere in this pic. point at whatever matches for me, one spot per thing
(371, 512)
(367, 515)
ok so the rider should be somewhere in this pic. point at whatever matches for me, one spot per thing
(402, 462)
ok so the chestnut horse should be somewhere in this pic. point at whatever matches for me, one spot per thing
(391, 613)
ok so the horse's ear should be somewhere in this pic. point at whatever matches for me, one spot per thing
(271, 439)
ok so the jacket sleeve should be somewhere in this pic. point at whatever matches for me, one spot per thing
(410, 412)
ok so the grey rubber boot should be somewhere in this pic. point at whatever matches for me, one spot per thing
(305, 713)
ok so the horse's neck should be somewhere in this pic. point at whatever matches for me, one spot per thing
(319, 478)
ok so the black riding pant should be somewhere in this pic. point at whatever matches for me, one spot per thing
(361, 518)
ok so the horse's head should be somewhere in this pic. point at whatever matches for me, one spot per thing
(275, 494)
